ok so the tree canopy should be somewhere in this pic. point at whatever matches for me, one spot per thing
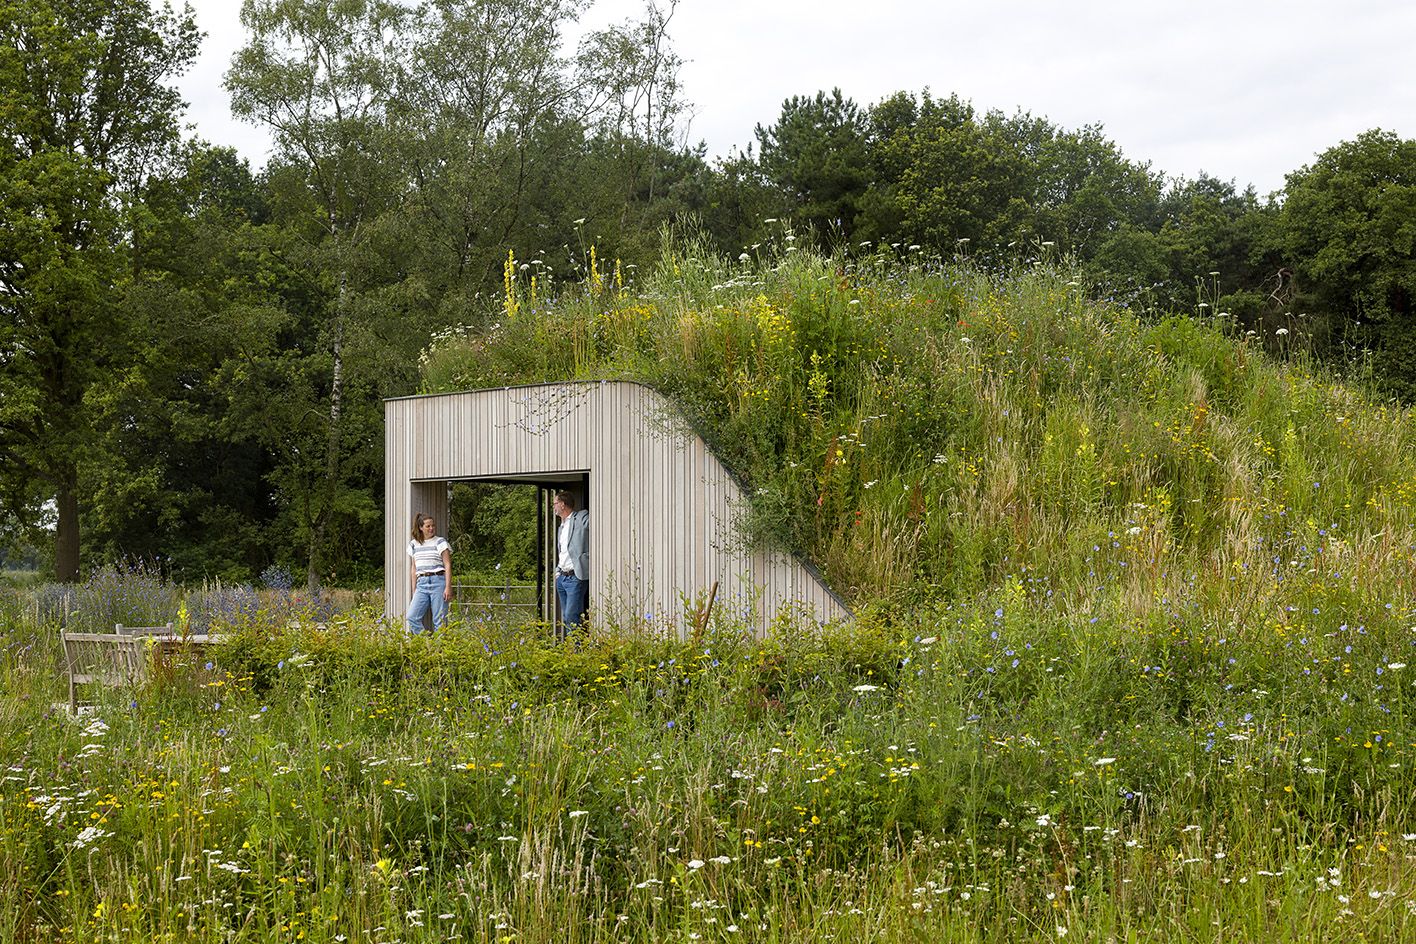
(193, 352)
(88, 113)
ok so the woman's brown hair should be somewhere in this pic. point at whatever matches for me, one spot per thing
(418, 520)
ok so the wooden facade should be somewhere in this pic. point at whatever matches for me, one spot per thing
(661, 504)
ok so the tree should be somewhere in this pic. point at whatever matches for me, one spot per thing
(490, 124)
(947, 177)
(1348, 231)
(816, 155)
(203, 305)
(634, 100)
(86, 114)
(324, 77)
(1082, 188)
(1215, 237)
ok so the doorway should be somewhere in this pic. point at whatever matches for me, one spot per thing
(503, 537)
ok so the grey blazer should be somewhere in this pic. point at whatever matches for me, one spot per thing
(579, 543)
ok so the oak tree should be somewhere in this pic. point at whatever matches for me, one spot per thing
(86, 112)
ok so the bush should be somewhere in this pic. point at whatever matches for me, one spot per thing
(216, 607)
(134, 594)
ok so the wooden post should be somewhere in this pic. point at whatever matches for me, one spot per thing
(700, 622)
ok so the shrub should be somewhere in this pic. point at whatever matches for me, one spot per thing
(133, 593)
(216, 607)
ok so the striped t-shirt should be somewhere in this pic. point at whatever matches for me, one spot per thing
(427, 555)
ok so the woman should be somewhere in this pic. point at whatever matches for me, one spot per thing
(429, 574)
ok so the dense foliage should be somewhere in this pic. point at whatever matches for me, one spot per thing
(194, 351)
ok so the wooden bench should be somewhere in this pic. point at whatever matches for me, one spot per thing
(102, 659)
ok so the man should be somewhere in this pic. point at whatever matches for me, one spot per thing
(573, 561)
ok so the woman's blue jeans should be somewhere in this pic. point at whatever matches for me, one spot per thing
(573, 594)
(427, 595)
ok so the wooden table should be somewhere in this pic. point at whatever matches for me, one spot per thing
(166, 650)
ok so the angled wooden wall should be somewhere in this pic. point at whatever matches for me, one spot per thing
(661, 504)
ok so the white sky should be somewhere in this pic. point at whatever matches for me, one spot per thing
(1247, 90)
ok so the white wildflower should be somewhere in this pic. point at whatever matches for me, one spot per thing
(88, 836)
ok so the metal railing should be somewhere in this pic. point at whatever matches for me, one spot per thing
(498, 604)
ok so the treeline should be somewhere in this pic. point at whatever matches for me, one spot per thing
(1325, 265)
(193, 352)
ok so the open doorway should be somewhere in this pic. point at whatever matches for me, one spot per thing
(492, 527)
(503, 538)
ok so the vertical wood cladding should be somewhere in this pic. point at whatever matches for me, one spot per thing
(661, 504)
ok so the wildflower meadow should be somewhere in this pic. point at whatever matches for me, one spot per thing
(1133, 643)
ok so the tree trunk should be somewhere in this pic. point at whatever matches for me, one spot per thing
(66, 536)
(336, 403)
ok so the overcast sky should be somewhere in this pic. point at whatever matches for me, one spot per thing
(1247, 90)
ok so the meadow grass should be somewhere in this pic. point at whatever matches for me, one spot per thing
(1130, 662)
(1021, 773)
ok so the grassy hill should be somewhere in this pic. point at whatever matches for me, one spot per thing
(927, 431)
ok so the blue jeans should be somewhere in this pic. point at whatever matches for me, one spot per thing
(573, 594)
(427, 594)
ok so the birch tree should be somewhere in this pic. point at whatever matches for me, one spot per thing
(323, 76)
